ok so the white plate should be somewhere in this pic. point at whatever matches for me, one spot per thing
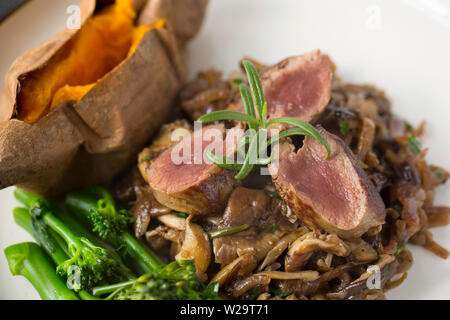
(400, 46)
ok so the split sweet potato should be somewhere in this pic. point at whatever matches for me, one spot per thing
(76, 110)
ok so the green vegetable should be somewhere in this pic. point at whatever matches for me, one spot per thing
(54, 251)
(368, 90)
(174, 281)
(258, 128)
(88, 206)
(398, 207)
(408, 125)
(414, 145)
(277, 292)
(344, 127)
(213, 234)
(181, 215)
(58, 254)
(145, 158)
(27, 259)
(107, 221)
(88, 264)
(438, 174)
(274, 227)
(399, 250)
(255, 293)
(276, 195)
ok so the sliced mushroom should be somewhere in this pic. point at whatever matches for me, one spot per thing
(362, 251)
(241, 266)
(282, 245)
(172, 221)
(301, 250)
(386, 265)
(159, 236)
(196, 247)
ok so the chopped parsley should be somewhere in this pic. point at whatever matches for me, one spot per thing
(414, 145)
(276, 195)
(438, 174)
(344, 127)
(145, 158)
(368, 90)
(408, 125)
(237, 81)
(398, 207)
(273, 227)
(255, 293)
(399, 250)
(277, 292)
(181, 215)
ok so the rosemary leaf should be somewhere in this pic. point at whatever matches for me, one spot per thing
(214, 234)
(308, 129)
(222, 161)
(248, 104)
(251, 155)
(255, 85)
(228, 115)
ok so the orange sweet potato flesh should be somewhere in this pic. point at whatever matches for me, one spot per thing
(97, 125)
(100, 45)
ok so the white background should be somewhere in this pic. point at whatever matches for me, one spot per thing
(400, 46)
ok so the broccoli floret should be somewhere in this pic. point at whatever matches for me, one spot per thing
(89, 265)
(176, 281)
(106, 221)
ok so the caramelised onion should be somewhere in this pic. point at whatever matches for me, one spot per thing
(307, 275)
(248, 283)
(282, 245)
(241, 266)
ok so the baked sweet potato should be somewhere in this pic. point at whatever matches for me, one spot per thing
(76, 110)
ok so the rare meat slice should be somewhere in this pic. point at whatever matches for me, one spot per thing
(183, 179)
(334, 195)
(263, 213)
(297, 87)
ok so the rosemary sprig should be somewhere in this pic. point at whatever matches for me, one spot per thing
(258, 127)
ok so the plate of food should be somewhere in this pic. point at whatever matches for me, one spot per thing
(194, 149)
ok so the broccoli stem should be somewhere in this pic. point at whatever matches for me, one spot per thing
(146, 260)
(102, 290)
(81, 204)
(77, 228)
(28, 259)
(23, 219)
(58, 255)
(76, 244)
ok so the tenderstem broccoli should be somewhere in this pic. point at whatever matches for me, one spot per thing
(28, 259)
(88, 265)
(51, 226)
(56, 251)
(95, 208)
(176, 280)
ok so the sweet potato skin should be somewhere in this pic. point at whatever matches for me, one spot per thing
(88, 142)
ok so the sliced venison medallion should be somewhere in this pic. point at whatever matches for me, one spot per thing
(334, 195)
(297, 87)
(193, 185)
